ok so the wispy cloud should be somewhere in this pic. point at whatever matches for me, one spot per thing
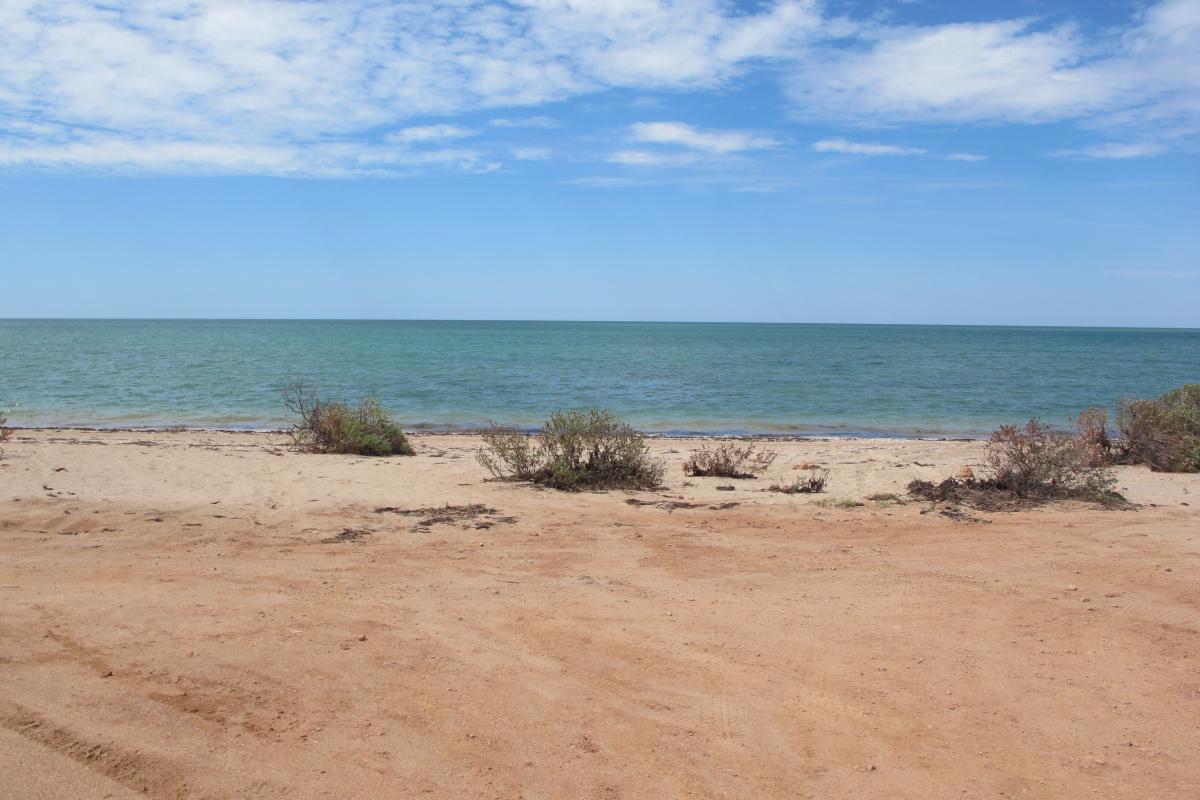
(1114, 151)
(431, 133)
(968, 157)
(646, 158)
(264, 86)
(525, 122)
(720, 142)
(532, 153)
(1015, 71)
(313, 86)
(864, 148)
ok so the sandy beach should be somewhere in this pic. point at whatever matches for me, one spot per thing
(211, 615)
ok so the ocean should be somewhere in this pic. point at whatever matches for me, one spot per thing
(891, 380)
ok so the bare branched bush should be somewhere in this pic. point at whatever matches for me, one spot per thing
(1038, 460)
(1092, 439)
(1163, 434)
(1028, 465)
(728, 460)
(813, 483)
(573, 450)
(5, 432)
(332, 427)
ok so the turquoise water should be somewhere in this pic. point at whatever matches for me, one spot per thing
(664, 377)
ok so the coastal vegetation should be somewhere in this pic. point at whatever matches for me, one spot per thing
(838, 502)
(5, 431)
(574, 450)
(325, 426)
(1027, 466)
(728, 460)
(1163, 434)
(812, 483)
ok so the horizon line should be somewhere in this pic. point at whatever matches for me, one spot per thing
(605, 322)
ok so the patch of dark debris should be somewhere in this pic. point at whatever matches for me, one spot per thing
(673, 505)
(354, 535)
(474, 516)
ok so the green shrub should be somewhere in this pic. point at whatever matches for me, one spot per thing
(728, 460)
(1163, 434)
(573, 450)
(331, 427)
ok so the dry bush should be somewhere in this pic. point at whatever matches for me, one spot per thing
(728, 460)
(5, 432)
(573, 450)
(1028, 466)
(331, 427)
(1163, 434)
(1038, 460)
(813, 483)
(1095, 446)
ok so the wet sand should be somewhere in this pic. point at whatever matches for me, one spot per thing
(211, 615)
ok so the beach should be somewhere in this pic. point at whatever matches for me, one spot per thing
(211, 614)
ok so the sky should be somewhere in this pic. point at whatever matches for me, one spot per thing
(925, 161)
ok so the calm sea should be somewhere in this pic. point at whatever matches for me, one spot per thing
(664, 377)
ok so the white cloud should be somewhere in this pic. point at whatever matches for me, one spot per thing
(1012, 71)
(864, 148)
(1114, 151)
(431, 133)
(710, 141)
(646, 158)
(306, 86)
(970, 157)
(525, 122)
(264, 85)
(332, 159)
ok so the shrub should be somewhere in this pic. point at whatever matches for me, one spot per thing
(1095, 446)
(1163, 434)
(573, 450)
(1028, 465)
(1039, 461)
(331, 427)
(728, 460)
(5, 432)
(814, 483)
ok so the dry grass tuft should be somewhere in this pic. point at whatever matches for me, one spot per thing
(813, 483)
(728, 460)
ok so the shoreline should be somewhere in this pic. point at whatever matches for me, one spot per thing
(431, 431)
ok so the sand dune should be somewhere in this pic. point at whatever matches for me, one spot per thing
(211, 615)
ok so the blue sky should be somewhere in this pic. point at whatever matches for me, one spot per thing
(1019, 162)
